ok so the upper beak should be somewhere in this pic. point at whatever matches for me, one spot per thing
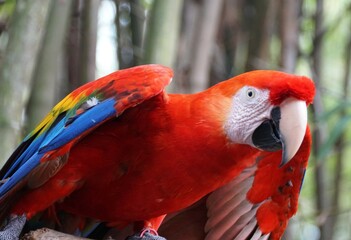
(292, 126)
(285, 130)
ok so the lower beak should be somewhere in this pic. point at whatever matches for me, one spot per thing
(285, 130)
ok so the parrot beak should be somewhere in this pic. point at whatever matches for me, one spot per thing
(285, 130)
(292, 126)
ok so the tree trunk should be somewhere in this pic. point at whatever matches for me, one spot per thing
(25, 36)
(230, 34)
(260, 21)
(81, 47)
(320, 132)
(204, 41)
(289, 32)
(137, 21)
(340, 145)
(125, 48)
(191, 11)
(88, 40)
(48, 71)
(73, 48)
(163, 31)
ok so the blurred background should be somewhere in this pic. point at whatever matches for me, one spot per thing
(50, 47)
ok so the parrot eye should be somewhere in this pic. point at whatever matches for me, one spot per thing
(250, 93)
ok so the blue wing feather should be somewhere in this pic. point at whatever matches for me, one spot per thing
(23, 170)
(89, 119)
(25, 156)
(57, 136)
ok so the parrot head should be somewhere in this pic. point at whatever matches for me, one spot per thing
(268, 110)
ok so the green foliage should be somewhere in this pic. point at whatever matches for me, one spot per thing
(6, 9)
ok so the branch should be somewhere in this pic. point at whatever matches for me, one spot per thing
(46, 233)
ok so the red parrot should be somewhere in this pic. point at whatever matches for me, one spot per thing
(122, 151)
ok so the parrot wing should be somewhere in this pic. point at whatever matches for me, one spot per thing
(259, 202)
(45, 150)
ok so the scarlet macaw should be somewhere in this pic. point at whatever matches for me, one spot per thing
(122, 151)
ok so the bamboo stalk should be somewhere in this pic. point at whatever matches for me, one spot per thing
(340, 144)
(17, 67)
(320, 133)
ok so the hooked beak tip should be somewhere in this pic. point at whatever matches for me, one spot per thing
(285, 158)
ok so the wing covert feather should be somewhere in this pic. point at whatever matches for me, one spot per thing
(77, 115)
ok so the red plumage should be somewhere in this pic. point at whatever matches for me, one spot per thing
(166, 152)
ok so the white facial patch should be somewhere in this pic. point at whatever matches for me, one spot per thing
(250, 107)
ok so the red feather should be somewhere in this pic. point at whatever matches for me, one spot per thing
(166, 152)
